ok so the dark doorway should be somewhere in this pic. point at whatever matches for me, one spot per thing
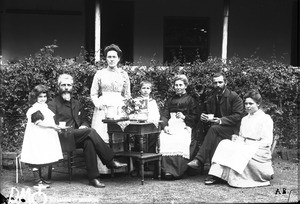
(117, 26)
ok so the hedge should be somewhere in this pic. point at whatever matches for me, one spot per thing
(277, 82)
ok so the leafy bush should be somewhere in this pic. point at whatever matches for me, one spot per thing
(278, 84)
(20, 77)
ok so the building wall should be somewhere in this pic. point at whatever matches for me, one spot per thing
(148, 27)
(261, 29)
(23, 34)
(256, 28)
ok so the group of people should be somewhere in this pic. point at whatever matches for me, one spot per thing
(238, 147)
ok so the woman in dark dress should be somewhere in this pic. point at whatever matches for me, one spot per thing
(179, 117)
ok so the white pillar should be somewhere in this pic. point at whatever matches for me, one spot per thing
(225, 31)
(97, 31)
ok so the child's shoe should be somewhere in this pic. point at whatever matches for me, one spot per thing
(45, 181)
(41, 185)
(36, 176)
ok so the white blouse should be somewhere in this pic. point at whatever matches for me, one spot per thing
(258, 126)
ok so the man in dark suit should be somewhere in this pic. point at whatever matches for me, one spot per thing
(227, 108)
(70, 110)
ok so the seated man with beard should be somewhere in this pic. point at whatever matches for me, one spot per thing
(227, 108)
(70, 110)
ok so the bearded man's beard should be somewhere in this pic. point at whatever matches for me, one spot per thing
(219, 90)
(66, 95)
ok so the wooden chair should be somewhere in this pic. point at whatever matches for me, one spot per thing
(73, 156)
(19, 169)
(74, 159)
(275, 140)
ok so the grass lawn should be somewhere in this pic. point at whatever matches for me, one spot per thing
(191, 189)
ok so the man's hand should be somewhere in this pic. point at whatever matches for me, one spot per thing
(216, 121)
(82, 127)
(204, 117)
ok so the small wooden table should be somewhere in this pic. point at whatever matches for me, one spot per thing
(138, 129)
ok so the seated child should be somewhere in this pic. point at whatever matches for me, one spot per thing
(153, 115)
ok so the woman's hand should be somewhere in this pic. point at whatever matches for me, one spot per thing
(100, 104)
(101, 107)
(167, 130)
(234, 137)
(180, 115)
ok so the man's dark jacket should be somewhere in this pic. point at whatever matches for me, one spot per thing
(231, 108)
(73, 119)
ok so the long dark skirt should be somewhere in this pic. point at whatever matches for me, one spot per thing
(175, 165)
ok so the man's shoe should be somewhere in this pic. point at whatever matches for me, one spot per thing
(115, 164)
(96, 183)
(195, 164)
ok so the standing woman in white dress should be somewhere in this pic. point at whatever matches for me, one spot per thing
(245, 161)
(110, 87)
(41, 145)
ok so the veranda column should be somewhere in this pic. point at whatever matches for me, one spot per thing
(225, 30)
(97, 31)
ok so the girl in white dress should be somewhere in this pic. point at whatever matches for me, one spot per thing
(41, 144)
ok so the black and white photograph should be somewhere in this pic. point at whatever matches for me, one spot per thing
(149, 101)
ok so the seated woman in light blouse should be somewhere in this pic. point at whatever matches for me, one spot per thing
(245, 161)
